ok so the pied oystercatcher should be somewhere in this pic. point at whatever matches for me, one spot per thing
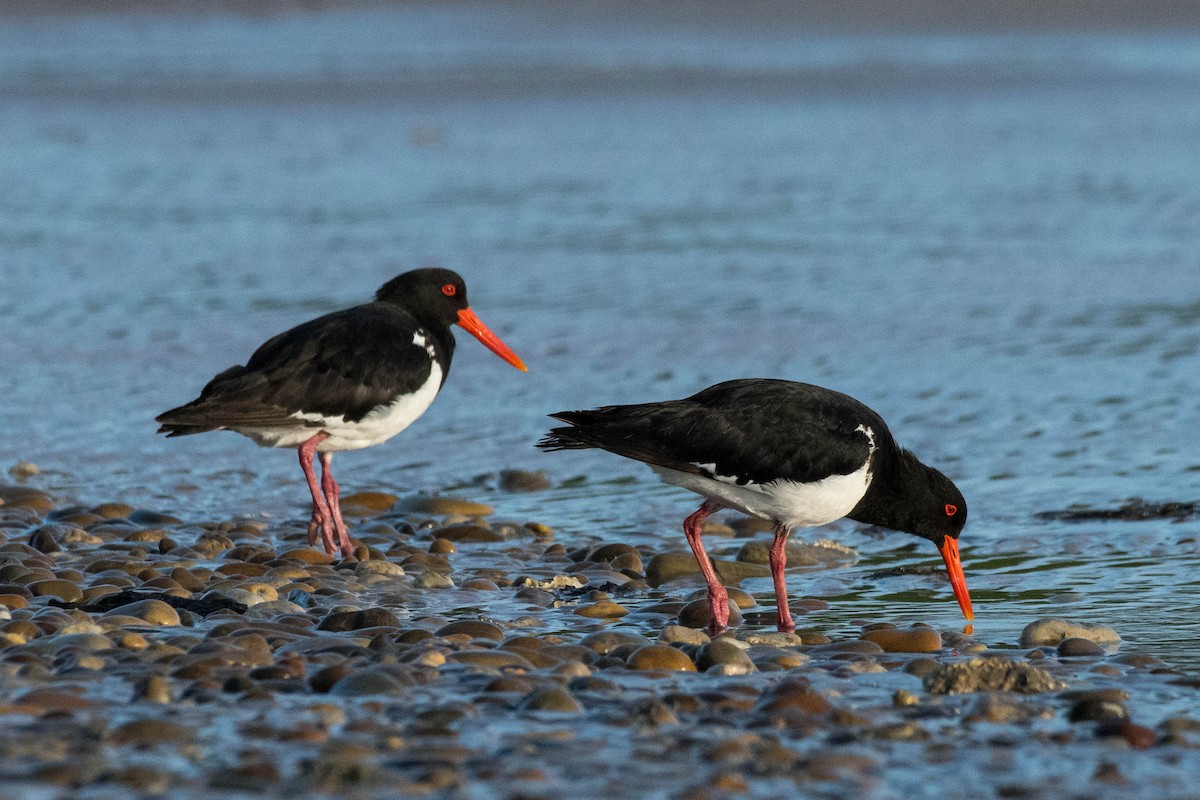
(344, 381)
(795, 454)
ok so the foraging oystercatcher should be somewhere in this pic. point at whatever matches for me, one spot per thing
(795, 454)
(344, 381)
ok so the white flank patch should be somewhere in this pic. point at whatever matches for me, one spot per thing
(795, 505)
(381, 424)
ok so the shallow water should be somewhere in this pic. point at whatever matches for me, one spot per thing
(990, 239)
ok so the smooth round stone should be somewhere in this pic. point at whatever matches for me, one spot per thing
(45, 539)
(48, 700)
(387, 568)
(26, 497)
(772, 639)
(433, 580)
(606, 609)
(357, 620)
(308, 555)
(903, 697)
(63, 590)
(681, 634)
(862, 646)
(468, 532)
(1052, 630)
(553, 699)
(443, 506)
(1077, 647)
(442, 546)
(917, 639)
(151, 732)
(724, 653)
(489, 658)
(660, 657)
(112, 510)
(1096, 709)
(696, 614)
(13, 601)
(474, 628)
(605, 642)
(519, 480)
(480, 585)
(368, 501)
(610, 551)
(271, 609)
(794, 695)
(153, 612)
(666, 567)
(370, 681)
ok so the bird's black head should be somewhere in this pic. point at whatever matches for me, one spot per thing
(943, 509)
(438, 298)
(430, 295)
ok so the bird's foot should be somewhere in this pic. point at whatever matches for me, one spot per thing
(319, 528)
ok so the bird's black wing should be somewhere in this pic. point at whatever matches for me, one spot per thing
(340, 365)
(755, 430)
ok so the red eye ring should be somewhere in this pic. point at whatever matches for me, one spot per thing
(449, 290)
(951, 509)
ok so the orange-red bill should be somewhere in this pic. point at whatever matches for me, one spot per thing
(949, 551)
(472, 325)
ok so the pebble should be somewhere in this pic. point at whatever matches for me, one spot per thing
(917, 639)
(660, 657)
(53, 587)
(356, 620)
(153, 612)
(473, 628)
(443, 506)
(724, 653)
(681, 635)
(554, 700)
(604, 610)
(1052, 630)
(1097, 709)
(151, 732)
(1079, 647)
(697, 613)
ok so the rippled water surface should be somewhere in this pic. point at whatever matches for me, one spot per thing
(990, 239)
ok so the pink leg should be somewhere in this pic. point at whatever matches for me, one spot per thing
(332, 494)
(718, 598)
(778, 563)
(321, 515)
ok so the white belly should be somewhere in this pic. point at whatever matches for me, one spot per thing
(794, 505)
(378, 426)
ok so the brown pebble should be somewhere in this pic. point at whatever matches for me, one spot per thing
(368, 501)
(657, 656)
(474, 628)
(443, 546)
(917, 639)
(63, 590)
(553, 699)
(605, 609)
(150, 732)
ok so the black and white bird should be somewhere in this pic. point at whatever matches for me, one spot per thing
(792, 453)
(344, 381)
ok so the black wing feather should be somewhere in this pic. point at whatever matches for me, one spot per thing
(342, 364)
(755, 430)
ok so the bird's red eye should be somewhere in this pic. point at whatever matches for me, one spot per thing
(449, 290)
(951, 509)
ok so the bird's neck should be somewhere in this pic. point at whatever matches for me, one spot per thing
(901, 494)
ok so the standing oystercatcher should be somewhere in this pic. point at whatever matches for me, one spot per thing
(344, 381)
(792, 453)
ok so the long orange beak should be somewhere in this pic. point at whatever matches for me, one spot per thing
(471, 324)
(949, 551)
